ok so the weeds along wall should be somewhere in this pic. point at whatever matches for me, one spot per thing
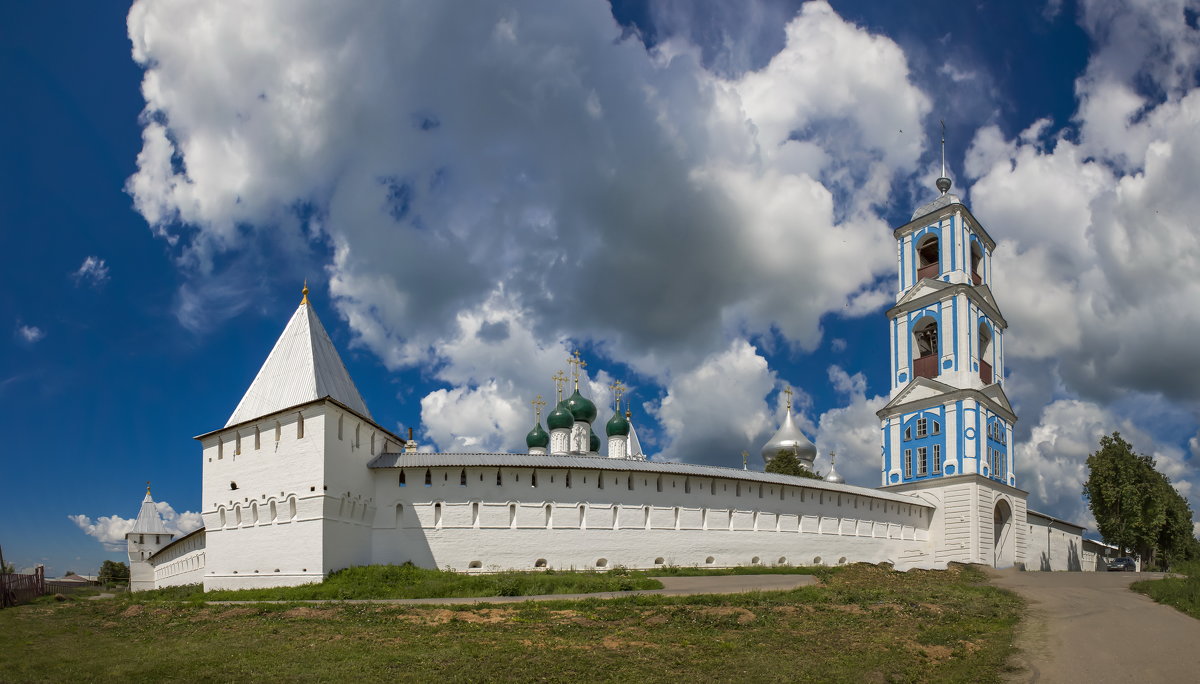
(499, 516)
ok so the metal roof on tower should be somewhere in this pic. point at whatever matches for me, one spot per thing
(148, 520)
(303, 366)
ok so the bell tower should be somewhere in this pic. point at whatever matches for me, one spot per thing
(948, 414)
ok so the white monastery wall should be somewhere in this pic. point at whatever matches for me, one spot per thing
(465, 521)
(180, 562)
(1054, 544)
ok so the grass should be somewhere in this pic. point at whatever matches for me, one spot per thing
(409, 581)
(864, 623)
(1181, 592)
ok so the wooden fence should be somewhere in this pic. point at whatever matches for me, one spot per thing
(16, 588)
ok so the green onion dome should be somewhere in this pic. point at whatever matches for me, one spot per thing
(537, 437)
(617, 425)
(581, 407)
(594, 442)
(560, 417)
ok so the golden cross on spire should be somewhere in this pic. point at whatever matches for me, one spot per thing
(559, 378)
(788, 391)
(538, 403)
(618, 389)
(578, 364)
(304, 299)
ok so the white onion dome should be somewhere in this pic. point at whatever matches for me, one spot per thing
(560, 417)
(790, 438)
(581, 407)
(833, 475)
(537, 438)
(618, 425)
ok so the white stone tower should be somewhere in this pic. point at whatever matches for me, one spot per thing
(144, 540)
(287, 496)
(947, 428)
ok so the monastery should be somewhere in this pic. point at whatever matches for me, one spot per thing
(301, 481)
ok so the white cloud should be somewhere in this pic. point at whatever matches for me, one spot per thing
(527, 166)
(30, 333)
(851, 431)
(110, 530)
(93, 271)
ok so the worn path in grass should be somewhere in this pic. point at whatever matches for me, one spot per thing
(672, 586)
(1089, 627)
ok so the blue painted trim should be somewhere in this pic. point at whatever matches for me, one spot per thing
(959, 436)
(953, 243)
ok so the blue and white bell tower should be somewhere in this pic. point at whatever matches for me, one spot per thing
(948, 414)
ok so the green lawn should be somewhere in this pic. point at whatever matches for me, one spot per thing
(863, 623)
(1180, 592)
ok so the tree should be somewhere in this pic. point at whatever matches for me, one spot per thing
(786, 463)
(113, 571)
(7, 568)
(1135, 506)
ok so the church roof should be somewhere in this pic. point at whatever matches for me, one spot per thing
(148, 520)
(302, 367)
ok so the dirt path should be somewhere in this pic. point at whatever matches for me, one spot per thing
(672, 586)
(1089, 627)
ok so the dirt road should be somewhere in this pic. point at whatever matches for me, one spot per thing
(1089, 627)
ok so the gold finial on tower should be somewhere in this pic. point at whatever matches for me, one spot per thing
(304, 299)
(618, 389)
(578, 364)
(538, 403)
(559, 378)
(147, 486)
(788, 391)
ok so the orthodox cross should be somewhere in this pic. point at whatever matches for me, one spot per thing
(832, 458)
(745, 460)
(788, 392)
(559, 378)
(538, 403)
(578, 364)
(618, 389)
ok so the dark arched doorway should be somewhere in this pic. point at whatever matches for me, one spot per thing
(1002, 531)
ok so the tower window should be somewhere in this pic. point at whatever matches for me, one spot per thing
(922, 428)
(937, 427)
(928, 258)
(976, 262)
(922, 460)
(937, 458)
(985, 353)
(925, 343)
(908, 463)
(907, 433)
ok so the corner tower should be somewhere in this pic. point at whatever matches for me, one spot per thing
(948, 414)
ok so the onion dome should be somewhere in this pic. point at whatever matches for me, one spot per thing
(833, 473)
(789, 438)
(617, 426)
(593, 442)
(581, 407)
(560, 417)
(537, 438)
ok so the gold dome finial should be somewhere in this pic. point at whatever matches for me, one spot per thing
(147, 486)
(304, 299)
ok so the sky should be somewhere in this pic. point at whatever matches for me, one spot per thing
(698, 196)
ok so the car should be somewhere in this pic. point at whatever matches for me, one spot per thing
(1122, 564)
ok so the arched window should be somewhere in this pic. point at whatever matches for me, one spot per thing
(399, 515)
(568, 478)
(428, 478)
(462, 476)
(499, 481)
(437, 515)
(976, 262)
(928, 258)
(402, 482)
(533, 479)
(291, 508)
(274, 511)
(925, 348)
(549, 516)
(631, 482)
(985, 353)
(658, 483)
(687, 485)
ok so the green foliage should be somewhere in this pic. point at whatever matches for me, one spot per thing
(786, 463)
(112, 572)
(1181, 592)
(1136, 507)
(7, 568)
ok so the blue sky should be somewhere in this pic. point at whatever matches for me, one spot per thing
(697, 195)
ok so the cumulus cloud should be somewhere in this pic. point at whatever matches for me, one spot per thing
(110, 530)
(30, 334)
(93, 271)
(480, 182)
(851, 431)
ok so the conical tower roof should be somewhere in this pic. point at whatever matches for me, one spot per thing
(635, 446)
(148, 520)
(303, 366)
